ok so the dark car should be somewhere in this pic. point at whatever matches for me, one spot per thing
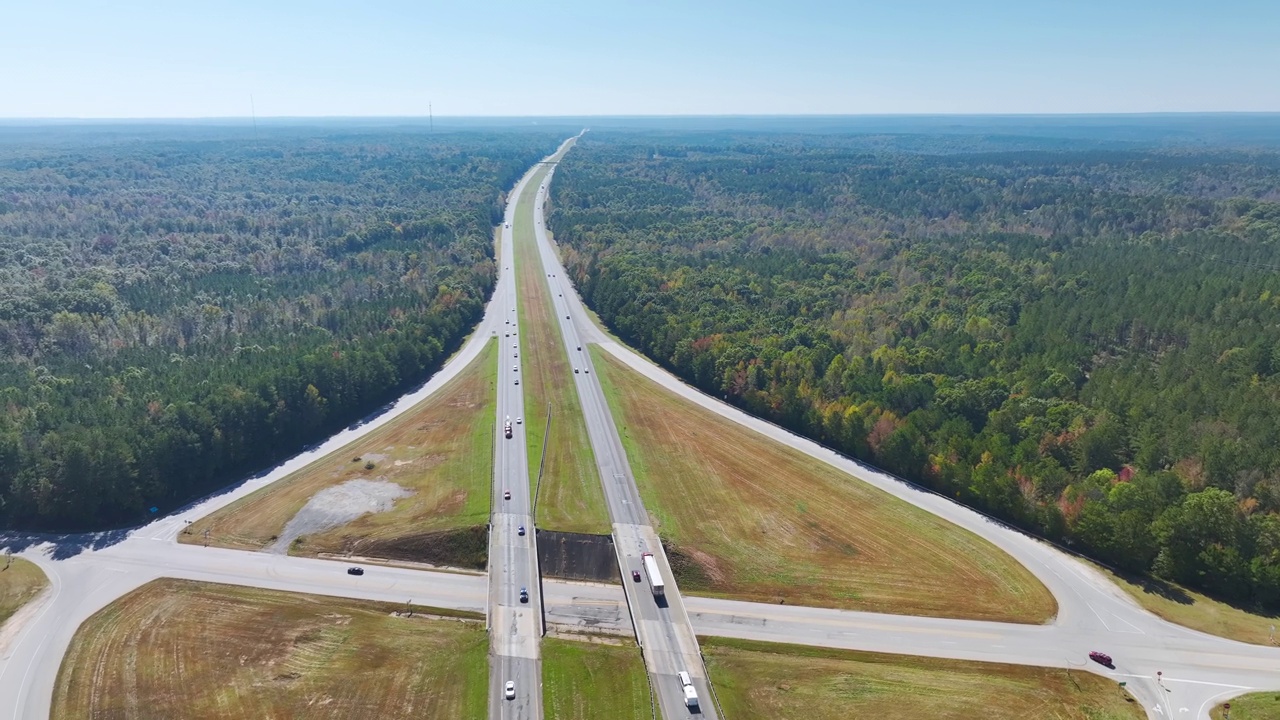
(506, 494)
(1101, 658)
(520, 530)
(635, 575)
(355, 571)
(524, 595)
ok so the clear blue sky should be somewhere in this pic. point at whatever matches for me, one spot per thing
(139, 58)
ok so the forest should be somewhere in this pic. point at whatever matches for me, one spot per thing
(180, 309)
(1083, 341)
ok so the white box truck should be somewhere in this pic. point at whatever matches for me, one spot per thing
(655, 575)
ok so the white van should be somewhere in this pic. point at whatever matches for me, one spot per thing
(685, 680)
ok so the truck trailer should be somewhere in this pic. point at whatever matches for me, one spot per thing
(654, 574)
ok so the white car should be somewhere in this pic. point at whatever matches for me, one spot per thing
(515, 368)
(510, 690)
(519, 421)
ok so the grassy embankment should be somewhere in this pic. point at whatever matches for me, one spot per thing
(747, 518)
(181, 649)
(1198, 612)
(20, 582)
(441, 450)
(1254, 706)
(570, 499)
(784, 682)
(584, 681)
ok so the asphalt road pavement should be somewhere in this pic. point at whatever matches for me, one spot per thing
(1173, 671)
(662, 626)
(515, 599)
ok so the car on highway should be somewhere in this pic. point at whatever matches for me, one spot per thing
(509, 691)
(524, 595)
(566, 317)
(506, 494)
(575, 371)
(635, 575)
(507, 335)
(519, 421)
(355, 571)
(515, 368)
(579, 347)
(1101, 658)
(517, 381)
(520, 530)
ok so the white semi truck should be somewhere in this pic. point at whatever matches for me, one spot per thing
(655, 575)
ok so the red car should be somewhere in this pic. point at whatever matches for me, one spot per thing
(1101, 658)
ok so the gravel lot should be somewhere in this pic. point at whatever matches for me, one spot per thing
(337, 506)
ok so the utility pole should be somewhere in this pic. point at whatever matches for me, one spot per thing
(431, 122)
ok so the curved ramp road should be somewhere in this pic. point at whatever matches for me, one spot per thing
(88, 572)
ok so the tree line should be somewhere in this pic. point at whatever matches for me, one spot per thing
(1082, 342)
(176, 313)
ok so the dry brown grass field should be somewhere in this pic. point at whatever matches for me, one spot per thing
(441, 451)
(180, 649)
(759, 681)
(570, 499)
(748, 518)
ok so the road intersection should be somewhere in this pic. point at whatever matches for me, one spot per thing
(1175, 672)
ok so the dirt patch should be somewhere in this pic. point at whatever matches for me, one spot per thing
(462, 548)
(336, 506)
(577, 556)
(690, 574)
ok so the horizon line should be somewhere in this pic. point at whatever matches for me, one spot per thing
(247, 118)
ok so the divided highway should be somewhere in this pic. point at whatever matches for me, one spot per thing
(1173, 671)
(515, 600)
(662, 626)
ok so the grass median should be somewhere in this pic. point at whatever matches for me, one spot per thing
(570, 498)
(784, 682)
(587, 680)
(20, 582)
(440, 451)
(748, 518)
(182, 649)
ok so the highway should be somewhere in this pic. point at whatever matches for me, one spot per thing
(662, 626)
(1174, 672)
(515, 599)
